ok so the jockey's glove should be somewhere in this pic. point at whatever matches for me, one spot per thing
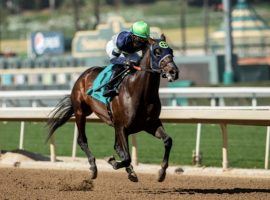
(131, 62)
(128, 64)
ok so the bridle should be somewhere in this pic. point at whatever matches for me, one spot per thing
(154, 62)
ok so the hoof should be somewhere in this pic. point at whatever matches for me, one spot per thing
(133, 177)
(111, 160)
(93, 172)
(161, 175)
(131, 174)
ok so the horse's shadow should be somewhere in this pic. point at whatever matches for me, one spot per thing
(192, 191)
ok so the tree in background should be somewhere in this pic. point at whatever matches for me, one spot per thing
(30, 4)
(52, 4)
(3, 22)
(206, 25)
(96, 13)
(214, 2)
(138, 1)
(183, 25)
(112, 2)
(76, 8)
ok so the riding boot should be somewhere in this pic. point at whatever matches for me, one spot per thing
(110, 89)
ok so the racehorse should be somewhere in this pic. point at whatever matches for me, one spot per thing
(136, 108)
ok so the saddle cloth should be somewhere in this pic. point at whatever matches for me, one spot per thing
(102, 78)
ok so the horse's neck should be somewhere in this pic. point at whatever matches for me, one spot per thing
(149, 81)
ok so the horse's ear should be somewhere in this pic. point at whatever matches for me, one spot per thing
(162, 37)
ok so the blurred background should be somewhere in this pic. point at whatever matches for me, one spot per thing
(38, 34)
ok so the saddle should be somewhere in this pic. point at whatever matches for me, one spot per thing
(102, 80)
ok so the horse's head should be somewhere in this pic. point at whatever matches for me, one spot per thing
(161, 59)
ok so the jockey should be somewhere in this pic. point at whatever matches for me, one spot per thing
(122, 50)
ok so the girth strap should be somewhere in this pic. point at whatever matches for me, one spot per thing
(109, 110)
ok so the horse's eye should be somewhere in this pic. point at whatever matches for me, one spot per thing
(157, 52)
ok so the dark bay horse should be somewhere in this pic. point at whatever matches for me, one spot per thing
(136, 108)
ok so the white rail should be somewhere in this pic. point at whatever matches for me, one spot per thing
(216, 93)
(218, 115)
(172, 93)
(33, 94)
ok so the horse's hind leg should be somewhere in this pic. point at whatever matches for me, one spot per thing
(121, 148)
(157, 130)
(82, 141)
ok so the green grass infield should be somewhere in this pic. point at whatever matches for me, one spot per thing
(246, 143)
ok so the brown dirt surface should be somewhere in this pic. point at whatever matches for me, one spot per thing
(17, 183)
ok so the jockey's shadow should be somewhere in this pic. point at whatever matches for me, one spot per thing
(203, 191)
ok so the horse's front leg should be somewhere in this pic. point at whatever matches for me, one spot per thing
(121, 147)
(157, 130)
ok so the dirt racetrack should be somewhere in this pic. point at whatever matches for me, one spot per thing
(16, 183)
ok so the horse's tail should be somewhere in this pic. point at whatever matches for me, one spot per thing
(60, 115)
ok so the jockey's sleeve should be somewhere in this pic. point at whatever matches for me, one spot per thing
(118, 60)
(112, 49)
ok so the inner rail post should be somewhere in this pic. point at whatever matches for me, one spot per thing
(134, 152)
(52, 149)
(225, 162)
(21, 135)
(267, 148)
(74, 145)
(198, 141)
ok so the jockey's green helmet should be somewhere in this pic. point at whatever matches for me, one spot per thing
(141, 29)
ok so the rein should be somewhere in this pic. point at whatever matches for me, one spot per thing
(143, 68)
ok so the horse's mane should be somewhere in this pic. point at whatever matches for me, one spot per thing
(147, 47)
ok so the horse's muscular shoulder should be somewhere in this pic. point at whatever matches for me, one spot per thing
(84, 82)
(89, 75)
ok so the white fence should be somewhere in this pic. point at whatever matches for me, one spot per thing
(253, 115)
(220, 115)
(211, 93)
(218, 93)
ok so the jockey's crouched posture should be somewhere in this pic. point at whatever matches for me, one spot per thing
(122, 50)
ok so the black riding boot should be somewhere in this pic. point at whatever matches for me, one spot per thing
(110, 89)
